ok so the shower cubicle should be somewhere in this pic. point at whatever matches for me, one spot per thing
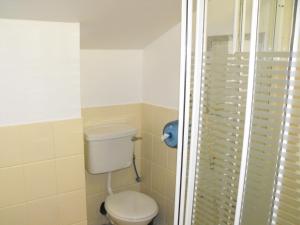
(239, 128)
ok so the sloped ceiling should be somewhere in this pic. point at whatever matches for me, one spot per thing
(104, 24)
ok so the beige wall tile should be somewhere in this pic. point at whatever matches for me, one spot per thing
(28, 191)
(160, 152)
(172, 159)
(145, 189)
(130, 114)
(159, 179)
(146, 173)
(10, 153)
(171, 185)
(162, 204)
(68, 137)
(13, 215)
(170, 213)
(11, 186)
(161, 117)
(72, 207)
(138, 147)
(147, 146)
(43, 211)
(132, 187)
(124, 177)
(40, 180)
(95, 184)
(37, 142)
(93, 205)
(161, 166)
(70, 173)
(147, 118)
(81, 223)
(93, 222)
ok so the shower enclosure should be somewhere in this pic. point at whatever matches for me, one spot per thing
(239, 127)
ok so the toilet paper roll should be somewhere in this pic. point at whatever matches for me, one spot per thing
(170, 134)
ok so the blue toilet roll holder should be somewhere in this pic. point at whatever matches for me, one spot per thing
(170, 134)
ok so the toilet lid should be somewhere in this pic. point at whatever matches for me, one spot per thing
(131, 206)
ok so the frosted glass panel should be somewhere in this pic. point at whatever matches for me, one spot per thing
(268, 111)
(223, 110)
(268, 200)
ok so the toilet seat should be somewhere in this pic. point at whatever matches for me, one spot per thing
(131, 206)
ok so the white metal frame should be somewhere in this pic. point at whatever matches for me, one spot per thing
(183, 126)
(196, 113)
(248, 113)
(297, 31)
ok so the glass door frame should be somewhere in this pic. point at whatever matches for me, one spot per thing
(184, 99)
(187, 153)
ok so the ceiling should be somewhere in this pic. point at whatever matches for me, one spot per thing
(104, 24)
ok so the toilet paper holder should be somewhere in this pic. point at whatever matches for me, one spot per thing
(170, 134)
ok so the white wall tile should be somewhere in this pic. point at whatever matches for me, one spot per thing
(39, 71)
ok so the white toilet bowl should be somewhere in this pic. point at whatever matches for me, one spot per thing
(131, 208)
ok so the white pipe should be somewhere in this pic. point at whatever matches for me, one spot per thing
(109, 189)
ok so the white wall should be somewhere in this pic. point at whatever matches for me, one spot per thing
(161, 70)
(151, 75)
(110, 77)
(39, 71)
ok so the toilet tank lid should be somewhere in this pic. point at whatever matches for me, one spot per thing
(110, 131)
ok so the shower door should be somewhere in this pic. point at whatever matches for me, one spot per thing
(239, 128)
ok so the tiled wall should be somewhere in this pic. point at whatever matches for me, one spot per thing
(121, 180)
(41, 168)
(41, 174)
(158, 161)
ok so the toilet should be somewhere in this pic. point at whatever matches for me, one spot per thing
(131, 208)
(109, 148)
